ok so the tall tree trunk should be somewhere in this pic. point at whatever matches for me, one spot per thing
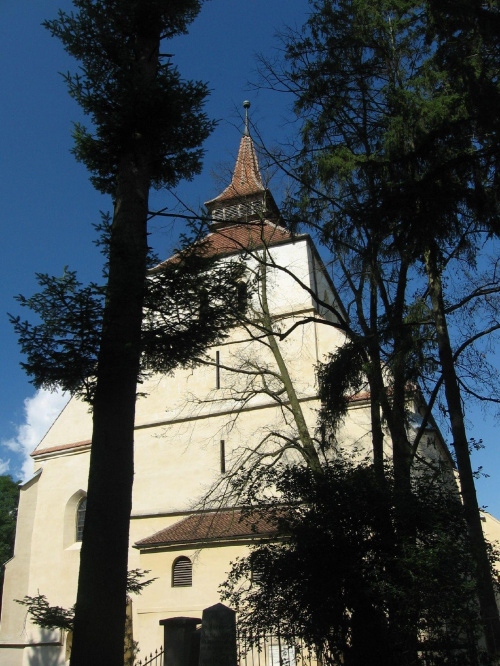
(100, 613)
(401, 638)
(101, 601)
(376, 427)
(484, 581)
(376, 384)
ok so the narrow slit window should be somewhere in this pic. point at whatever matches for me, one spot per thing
(182, 572)
(204, 304)
(222, 456)
(242, 296)
(217, 369)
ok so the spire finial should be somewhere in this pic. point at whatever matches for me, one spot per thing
(246, 106)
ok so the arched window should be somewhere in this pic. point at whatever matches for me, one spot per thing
(182, 572)
(80, 518)
(70, 529)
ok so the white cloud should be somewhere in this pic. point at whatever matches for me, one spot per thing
(40, 411)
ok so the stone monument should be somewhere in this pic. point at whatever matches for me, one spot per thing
(218, 637)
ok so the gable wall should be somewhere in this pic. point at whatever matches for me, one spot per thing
(179, 426)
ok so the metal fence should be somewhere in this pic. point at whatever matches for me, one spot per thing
(266, 650)
(155, 659)
(269, 650)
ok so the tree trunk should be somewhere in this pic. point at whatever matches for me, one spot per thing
(401, 640)
(101, 601)
(307, 447)
(376, 384)
(100, 612)
(377, 437)
(484, 581)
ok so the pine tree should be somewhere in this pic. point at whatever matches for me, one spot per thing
(398, 172)
(148, 125)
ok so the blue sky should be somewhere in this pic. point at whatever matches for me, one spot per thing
(48, 204)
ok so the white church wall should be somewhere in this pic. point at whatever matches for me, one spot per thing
(22, 577)
(74, 424)
(286, 267)
(179, 426)
(160, 600)
(18, 569)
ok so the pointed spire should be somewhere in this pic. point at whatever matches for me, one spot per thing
(246, 178)
(246, 195)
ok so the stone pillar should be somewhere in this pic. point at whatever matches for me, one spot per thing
(180, 640)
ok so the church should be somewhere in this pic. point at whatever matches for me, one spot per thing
(194, 428)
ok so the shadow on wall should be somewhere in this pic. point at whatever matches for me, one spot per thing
(44, 656)
(50, 651)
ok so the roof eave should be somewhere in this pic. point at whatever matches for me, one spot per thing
(207, 541)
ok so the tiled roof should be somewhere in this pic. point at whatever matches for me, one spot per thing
(240, 237)
(359, 397)
(246, 177)
(227, 524)
(246, 236)
(61, 447)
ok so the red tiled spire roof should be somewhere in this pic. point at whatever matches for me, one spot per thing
(246, 178)
(245, 198)
(228, 524)
(245, 216)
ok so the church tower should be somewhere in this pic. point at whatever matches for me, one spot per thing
(245, 198)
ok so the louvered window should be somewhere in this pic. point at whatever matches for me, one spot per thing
(182, 572)
(80, 518)
(239, 211)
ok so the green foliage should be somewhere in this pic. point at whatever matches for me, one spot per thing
(9, 499)
(379, 175)
(62, 350)
(399, 172)
(135, 582)
(347, 584)
(468, 47)
(57, 617)
(107, 37)
(189, 302)
(390, 94)
(399, 158)
(339, 378)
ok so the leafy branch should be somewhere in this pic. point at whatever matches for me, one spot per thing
(56, 617)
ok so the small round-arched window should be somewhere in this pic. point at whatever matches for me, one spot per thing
(182, 572)
(80, 518)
